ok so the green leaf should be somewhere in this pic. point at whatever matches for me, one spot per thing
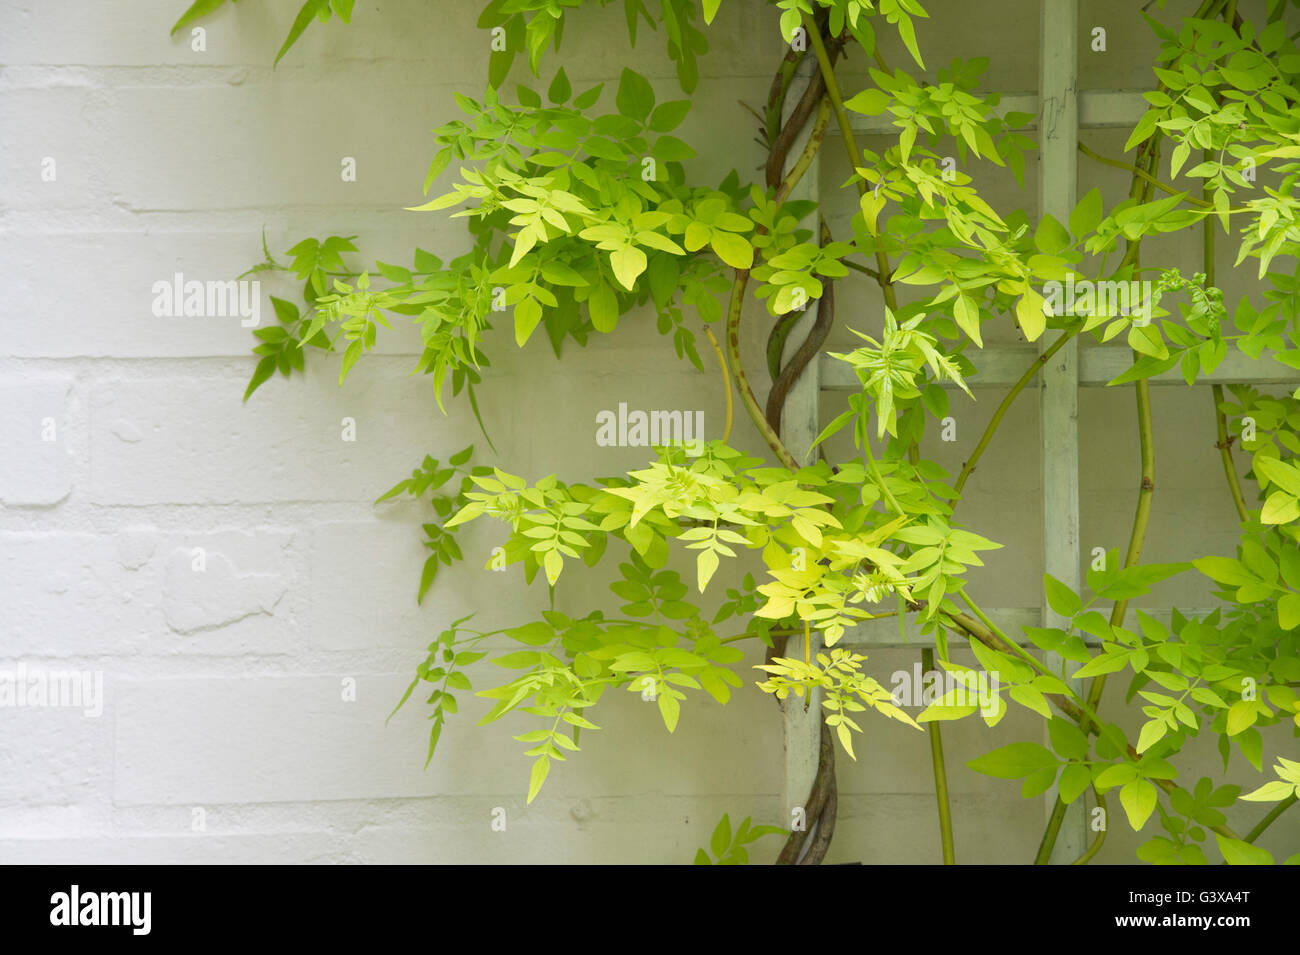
(1288, 611)
(1241, 716)
(1283, 475)
(732, 249)
(1139, 800)
(710, 9)
(602, 305)
(1061, 598)
(870, 102)
(1237, 852)
(197, 10)
(1067, 739)
(627, 262)
(1225, 570)
(1152, 732)
(1143, 130)
(1270, 792)
(967, 314)
(1014, 761)
(518, 660)
(636, 97)
(559, 90)
(669, 709)
(427, 574)
(908, 34)
(1104, 663)
(527, 314)
(1075, 778)
(1051, 237)
(720, 841)
(587, 98)
(264, 370)
(1029, 313)
(1086, 216)
(308, 12)
(668, 116)
(350, 358)
(541, 769)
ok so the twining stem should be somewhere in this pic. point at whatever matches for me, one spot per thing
(940, 774)
(1225, 452)
(1006, 403)
(1220, 419)
(738, 284)
(1273, 813)
(726, 381)
(1093, 849)
(741, 281)
(1049, 834)
(809, 154)
(1142, 517)
(850, 143)
(1143, 174)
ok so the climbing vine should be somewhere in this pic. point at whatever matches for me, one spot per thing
(584, 216)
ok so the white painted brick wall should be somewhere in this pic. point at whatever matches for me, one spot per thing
(224, 686)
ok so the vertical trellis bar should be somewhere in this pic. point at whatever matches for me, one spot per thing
(1059, 405)
(799, 428)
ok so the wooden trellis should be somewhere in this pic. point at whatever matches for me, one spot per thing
(1062, 111)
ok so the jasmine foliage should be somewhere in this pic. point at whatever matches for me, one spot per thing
(728, 848)
(431, 476)
(311, 10)
(581, 215)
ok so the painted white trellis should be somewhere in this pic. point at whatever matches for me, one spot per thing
(1061, 112)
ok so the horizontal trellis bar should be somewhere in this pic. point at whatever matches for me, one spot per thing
(1002, 365)
(882, 634)
(1098, 109)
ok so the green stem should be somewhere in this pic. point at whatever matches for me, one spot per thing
(994, 639)
(940, 774)
(1225, 452)
(864, 269)
(1273, 813)
(1146, 444)
(1093, 849)
(809, 153)
(1142, 173)
(1146, 488)
(1002, 408)
(1142, 517)
(1220, 419)
(738, 284)
(1050, 833)
(850, 143)
(880, 478)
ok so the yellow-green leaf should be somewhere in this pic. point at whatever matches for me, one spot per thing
(541, 769)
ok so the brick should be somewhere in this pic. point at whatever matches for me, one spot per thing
(38, 469)
(139, 590)
(199, 444)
